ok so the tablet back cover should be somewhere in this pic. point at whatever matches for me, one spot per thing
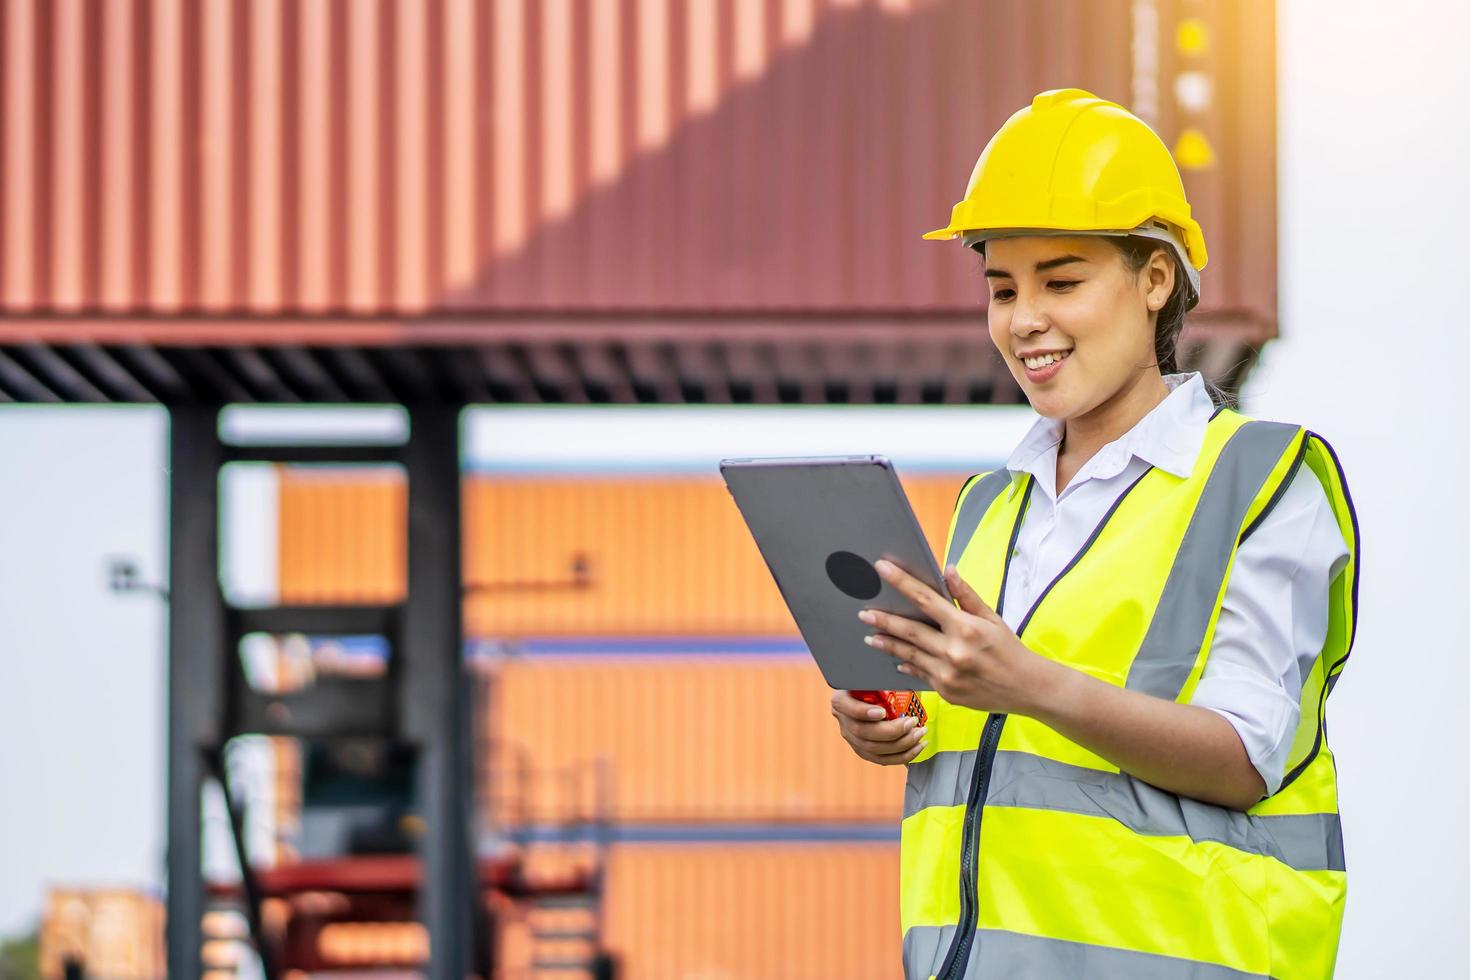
(820, 524)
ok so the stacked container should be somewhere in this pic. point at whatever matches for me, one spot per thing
(116, 933)
(627, 625)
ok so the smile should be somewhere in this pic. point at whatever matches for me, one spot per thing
(1045, 367)
(1037, 363)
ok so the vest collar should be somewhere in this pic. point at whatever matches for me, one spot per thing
(1168, 437)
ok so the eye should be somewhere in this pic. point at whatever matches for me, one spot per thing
(1001, 295)
(1062, 283)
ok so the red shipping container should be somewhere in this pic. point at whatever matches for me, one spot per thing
(653, 156)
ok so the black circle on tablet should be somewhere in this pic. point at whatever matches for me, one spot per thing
(853, 574)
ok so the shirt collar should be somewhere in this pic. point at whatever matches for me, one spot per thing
(1169, 436)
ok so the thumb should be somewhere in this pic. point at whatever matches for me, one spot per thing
(968, 598)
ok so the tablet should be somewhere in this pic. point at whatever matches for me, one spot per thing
(821, 522)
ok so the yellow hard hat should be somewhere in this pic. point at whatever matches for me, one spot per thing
(1072, 162)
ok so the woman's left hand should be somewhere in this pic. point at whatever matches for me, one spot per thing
(974, 659)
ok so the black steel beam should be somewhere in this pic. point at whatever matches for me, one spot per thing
(249, 883)
(332, 707)
(461, 371)
(405, 372)
(436, 700)
(205, 375)
(196, 651)
(154, 372)
(300, 368)
(60, 376)
(112, 376)
(314, 454)
(506, 368)
(254, 370)
(332, 620)
(21, 383)
(356, 374)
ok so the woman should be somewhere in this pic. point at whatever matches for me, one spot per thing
(1124, 770)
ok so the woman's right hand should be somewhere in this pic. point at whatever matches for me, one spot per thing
(887, 743)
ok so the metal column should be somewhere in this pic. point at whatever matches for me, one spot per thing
(196, 639)
(425, 700)
(436, 693)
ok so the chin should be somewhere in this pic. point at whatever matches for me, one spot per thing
(1052, 404)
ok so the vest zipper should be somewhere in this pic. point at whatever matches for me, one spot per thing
(959, 950)
(956, 960)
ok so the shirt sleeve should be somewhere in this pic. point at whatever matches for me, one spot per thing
(1273, 623)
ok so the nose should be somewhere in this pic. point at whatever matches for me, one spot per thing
(1027, 315)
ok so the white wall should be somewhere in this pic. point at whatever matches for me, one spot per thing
(1374, 161)
(81, 669)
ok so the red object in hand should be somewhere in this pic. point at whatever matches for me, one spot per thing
(895, 704)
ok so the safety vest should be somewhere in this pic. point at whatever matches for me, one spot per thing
(1027, 856)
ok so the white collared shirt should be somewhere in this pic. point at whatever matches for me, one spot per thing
(1274, 618)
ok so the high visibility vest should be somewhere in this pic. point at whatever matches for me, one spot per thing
(1024, 855)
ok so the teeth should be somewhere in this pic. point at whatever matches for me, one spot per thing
(1036, 363)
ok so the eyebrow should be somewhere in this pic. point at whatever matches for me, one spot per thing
(1040, 266)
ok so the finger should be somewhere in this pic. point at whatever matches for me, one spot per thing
(915, 632)
(875, 731)
(967, 597)
(882, 732)
(931, 603)
(925, 662)
(888, 731)
(896, 747)
(845, 704)
(929, 680)
(900, 759)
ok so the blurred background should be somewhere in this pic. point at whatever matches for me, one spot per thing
(365, 367)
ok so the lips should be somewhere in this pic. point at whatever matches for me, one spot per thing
(1044, 374)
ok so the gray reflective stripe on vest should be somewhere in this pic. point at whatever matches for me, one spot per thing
(1305, 842)
(943, 779)
(1016, 956)
(972, 508)
(1170, 647)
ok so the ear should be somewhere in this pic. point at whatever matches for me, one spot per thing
(1159, 278)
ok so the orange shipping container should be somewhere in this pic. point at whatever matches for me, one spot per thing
(342, 534)
(704, 739)
(115, 933)
(744, 736)
(744, 912)
(585, 555)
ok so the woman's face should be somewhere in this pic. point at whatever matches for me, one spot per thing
(1075, 298)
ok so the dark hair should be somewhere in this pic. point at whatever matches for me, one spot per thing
(1136, 252)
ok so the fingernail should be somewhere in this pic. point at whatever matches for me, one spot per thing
(922, 744)
(922, 732)
(909, 723)
(871, 641)
(865, 616)
(883, 567)
(876, 713)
